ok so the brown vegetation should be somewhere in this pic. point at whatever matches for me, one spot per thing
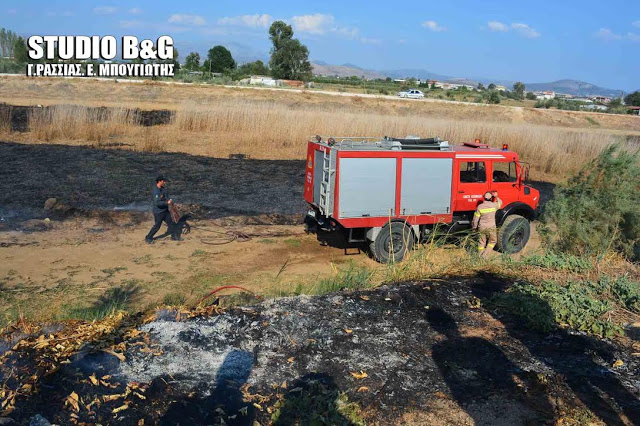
(271, 130)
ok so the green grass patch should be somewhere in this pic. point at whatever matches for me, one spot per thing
(351, 277)
(292, 242)
(199, 253)
(142, 260)
(163, 276)
(559, 262)
(267, 241)
(114, 300)
(592, 121)
(174, 299)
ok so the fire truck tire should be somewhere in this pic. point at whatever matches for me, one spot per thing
(392, 243)
(514, 234)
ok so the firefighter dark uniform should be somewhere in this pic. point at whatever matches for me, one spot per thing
(484, 220)
(161, 213)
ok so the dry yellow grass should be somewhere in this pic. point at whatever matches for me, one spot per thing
(5, 121)
(272, 130)
(72, 122)
(156, 95)
(265, 124)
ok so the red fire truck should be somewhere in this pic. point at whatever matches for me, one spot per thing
(391, 193)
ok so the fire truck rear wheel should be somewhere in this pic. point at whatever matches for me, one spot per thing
(392, 243)
(514, 234)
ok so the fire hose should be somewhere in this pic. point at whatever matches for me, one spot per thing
(221, 237)
(225, 237)
(224, 287)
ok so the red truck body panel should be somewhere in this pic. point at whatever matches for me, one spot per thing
(465, 195)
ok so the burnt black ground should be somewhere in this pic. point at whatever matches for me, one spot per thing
(88, 178)
(20, 115)
(419, 343)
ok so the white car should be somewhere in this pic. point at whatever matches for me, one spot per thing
(411, 93)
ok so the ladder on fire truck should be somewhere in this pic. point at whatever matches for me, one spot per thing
(325, 184)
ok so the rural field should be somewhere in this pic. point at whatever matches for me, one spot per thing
(102, 320)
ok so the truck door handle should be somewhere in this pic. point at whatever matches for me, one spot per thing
(460, 192)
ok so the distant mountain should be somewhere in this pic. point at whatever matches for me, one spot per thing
(574, 87)
(571, 87)
(321, 68)
(415, 73)
(348, 65)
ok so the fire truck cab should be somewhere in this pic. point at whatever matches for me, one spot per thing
(391, 193)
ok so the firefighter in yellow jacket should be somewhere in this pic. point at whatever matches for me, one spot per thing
(484, 220)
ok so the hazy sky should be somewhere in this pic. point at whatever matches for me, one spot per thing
(534, 41)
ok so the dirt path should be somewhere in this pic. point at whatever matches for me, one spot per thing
(77, 263)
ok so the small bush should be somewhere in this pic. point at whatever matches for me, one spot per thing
(316, 402)
(598, 210)
(494, 97)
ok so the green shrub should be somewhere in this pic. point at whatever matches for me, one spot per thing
(626, 292)
(10, 67)
(316, 403)
(580, 305)
(598, 210)
(494, 97)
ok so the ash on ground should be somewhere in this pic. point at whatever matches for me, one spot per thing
(393, 350)
(416, 353)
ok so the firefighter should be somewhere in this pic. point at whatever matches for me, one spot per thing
(484, 220)
(161, 203)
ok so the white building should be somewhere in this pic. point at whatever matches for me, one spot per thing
(453, 86)
(595, 107)
(263, 80)
(545, 95)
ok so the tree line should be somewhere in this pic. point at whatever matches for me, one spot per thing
(8, 42)
(289, 58)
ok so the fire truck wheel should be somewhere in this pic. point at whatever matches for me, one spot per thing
(514, 234)
(392, 243)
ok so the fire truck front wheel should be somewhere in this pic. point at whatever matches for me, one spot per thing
(392, 243)
(514, 234)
